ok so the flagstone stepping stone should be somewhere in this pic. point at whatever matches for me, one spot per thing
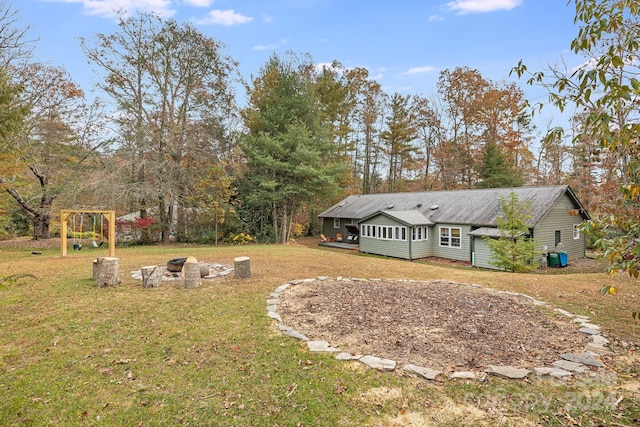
(589, 331)
(427, 373)
(293, 333)
(565, 313)
(464, 375)
(274, 315)
(552, 372)
(599, 339)
(570, 366)
(507, 372)
(378, 363)
(599, 349)
(584, 358)
(321, 346)
(282, 287)
(590, 326)
(343, 355)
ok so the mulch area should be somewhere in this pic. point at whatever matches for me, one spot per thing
(27, 243)
(438, 324)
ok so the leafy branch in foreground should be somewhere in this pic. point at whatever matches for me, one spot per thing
(605, 90)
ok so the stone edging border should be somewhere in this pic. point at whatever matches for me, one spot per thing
(568, 364)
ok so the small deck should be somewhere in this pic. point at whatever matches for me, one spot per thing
(340, 245)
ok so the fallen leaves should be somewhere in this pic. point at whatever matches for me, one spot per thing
(427, 323)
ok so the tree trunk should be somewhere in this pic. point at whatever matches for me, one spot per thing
(106, 271)
(152, 276)
(242, 267)
(40, 217)
(274, 214)
(41, 226)
(283, 225)
(191, 271)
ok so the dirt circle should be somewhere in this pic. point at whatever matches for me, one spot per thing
(440, 325)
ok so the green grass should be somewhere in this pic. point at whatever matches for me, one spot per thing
(73, 354)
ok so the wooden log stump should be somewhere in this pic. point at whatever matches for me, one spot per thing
(191, 273)
(204, 269)
(152, 276)
(242, 267)
(106, 271)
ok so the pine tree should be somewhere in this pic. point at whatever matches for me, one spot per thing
(494, 171)
(514, 250)
(287, 148)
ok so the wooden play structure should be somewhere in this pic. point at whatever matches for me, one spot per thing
(109, 216)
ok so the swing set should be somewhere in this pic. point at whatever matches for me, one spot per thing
(77, 222)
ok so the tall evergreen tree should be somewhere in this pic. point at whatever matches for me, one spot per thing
(398, 137)
(287, 148)
(494, 170)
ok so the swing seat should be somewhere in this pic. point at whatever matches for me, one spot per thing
(77, 246)
(97, 244)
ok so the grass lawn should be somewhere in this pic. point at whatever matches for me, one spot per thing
(73, 354)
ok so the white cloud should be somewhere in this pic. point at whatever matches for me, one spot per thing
(420, 70)
(265, 47)
(224, 17)
(435, 18)
(328, 66)
(109, 8)
(481, 6)
(271, 46)
(199, 3)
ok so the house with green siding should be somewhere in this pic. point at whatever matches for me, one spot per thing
(454, 224)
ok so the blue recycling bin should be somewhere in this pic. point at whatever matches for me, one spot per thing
(563, 258)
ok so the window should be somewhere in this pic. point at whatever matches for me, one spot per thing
(450, 237)
(383, 232)
(420, 233)
(336, 222)
(576, 231)
(400, 233)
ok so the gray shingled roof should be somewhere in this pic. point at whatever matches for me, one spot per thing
(488, 232)
(413, 217)
(479, 207)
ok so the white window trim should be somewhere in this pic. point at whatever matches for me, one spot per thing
(336, 222)
(450, 237)
(386, 231)
(576, 232)
(391, 232)
(424, 233)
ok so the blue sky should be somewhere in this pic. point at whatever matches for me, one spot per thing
(403, 43)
